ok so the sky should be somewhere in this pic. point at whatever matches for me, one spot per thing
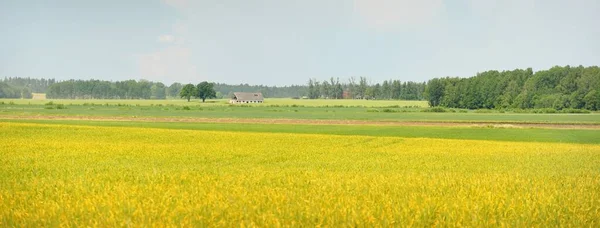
(285, 42)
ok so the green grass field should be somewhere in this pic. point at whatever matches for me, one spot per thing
(277, 109)
(583, 136)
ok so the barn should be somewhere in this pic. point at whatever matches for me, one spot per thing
(246, 98)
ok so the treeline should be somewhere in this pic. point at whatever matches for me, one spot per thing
(13, 87)
(97, 89)
(8, 91)
(23, 87)
(557, 88)
(33, 84)
(143, 89)
(388, 90)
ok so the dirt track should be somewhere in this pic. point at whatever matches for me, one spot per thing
(311, 122)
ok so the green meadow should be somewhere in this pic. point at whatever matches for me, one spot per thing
(399, 111)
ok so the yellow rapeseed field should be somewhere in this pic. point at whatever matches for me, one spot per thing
(60, 175)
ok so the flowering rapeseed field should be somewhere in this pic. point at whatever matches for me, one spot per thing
(53, 175)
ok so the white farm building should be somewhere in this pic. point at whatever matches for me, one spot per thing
(246, 98)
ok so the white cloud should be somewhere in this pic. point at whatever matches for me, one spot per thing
(166, 38)
(392, 14)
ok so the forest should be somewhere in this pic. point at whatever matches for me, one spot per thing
(557, 88)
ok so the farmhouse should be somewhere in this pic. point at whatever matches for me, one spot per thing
(245, 98)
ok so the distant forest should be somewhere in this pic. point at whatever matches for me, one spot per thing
(557, 88)
(23, 87)
(129, 89)
(362, 89)
(143, 89)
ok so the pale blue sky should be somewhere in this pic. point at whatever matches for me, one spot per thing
(277, 42)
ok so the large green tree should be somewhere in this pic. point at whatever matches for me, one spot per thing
(205, 90)
(188, 91)
(435, 91)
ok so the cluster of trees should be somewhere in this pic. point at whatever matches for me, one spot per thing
(143, 89)
(388, 90)
(8, 91)
(23, 87)
(204, 90)
(558, 88)
(97, 89)
(32, 84)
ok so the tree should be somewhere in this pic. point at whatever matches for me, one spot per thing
(188, 91)
(205, 90)
(143, 89)
(435, 91)
(313, 90)
(7, 91)
(377, 91)
(333, 92)
(386, 90)
(396, 89)
(509, 95)
(351, 87)
(369, 93)
(174, 89)
(317, 88)
(26, 93)
(325, 88)
(157, 91)
(339, 91)
(361, 89)
(592, 100)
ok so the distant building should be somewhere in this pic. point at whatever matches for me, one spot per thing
(346, 94)
(246, 98)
